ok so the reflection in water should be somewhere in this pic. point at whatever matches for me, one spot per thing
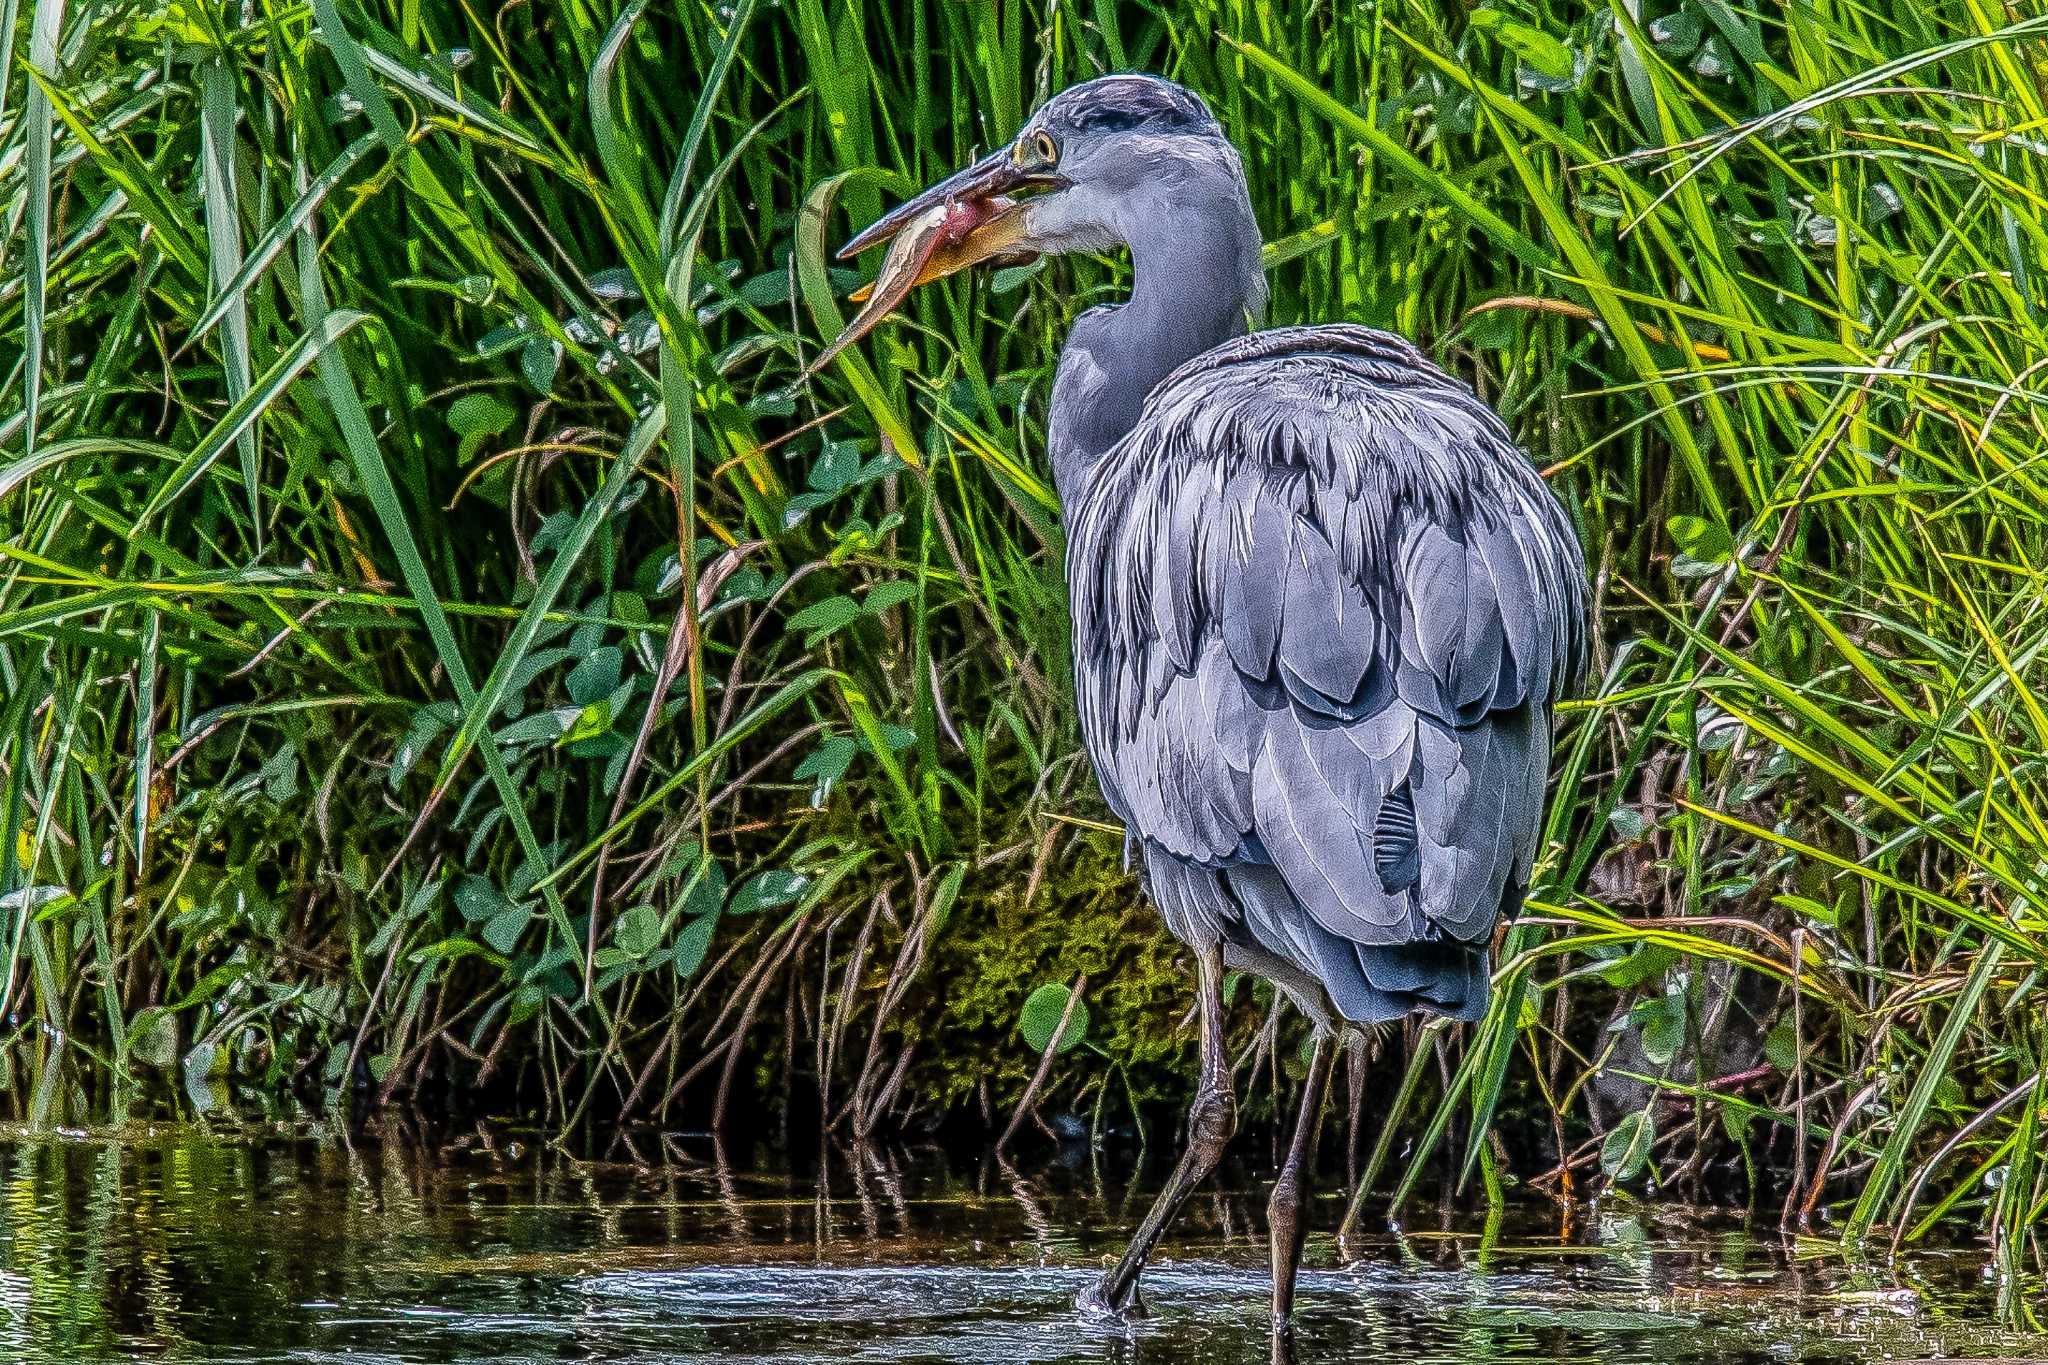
(286, 1246)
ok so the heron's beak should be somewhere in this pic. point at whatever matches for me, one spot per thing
(966, 218)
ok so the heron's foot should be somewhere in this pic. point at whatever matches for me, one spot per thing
(1101, 1301)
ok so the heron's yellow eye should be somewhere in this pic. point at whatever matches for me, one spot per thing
(1040, 151)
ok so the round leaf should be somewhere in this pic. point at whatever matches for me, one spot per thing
(1662, 1022)
(1041, 1015)
(595, 675)
(476, 418)
(638, 931)
(153, 1037)
(479, 899)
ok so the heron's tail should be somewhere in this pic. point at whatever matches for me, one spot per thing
(1367, 983)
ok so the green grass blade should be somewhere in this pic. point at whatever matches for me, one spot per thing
(1932, 1070)
(241, 418)
(45, 26)
(223, 215)
(231, 296)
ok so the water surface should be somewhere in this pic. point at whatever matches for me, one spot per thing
(284, 1246)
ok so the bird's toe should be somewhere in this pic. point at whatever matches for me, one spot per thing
(1100, 1301)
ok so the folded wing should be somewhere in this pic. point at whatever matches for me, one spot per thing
(1323, 609)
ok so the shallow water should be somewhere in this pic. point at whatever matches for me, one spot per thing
(289, 1247)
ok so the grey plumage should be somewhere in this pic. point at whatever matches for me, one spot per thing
(1322, 610)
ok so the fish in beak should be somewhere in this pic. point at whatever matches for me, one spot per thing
(965, 219)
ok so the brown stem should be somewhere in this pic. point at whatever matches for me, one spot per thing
(1052, 1048)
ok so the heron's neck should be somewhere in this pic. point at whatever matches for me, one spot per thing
(1194, 284)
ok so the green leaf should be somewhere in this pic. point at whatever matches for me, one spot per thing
(153, 1037)
(280, 774)
(525, 1004)
(1628, 824)
(769, 289)
(837, 465)
(1661, 1025)
(1041, 1015)
(766, 890)
(1809, 907)
(1542, 52)
(592, 721)
(824, 766)
(706, 892)
(541, 725)
(613, 284)
(692, 943)
(206, 1060)
(945, 898)
(43, 901)
(822, 618)
(801, 505)
(1010, 276)
(429, 723)
(1708, 542)
(214, 983)
(476, 418)
(1677, 33)
(1780, 1048)
(1627, 1148)
(638, 931)
(502, 340)
(503, 929)
(1646, 963)
(596, 676)
(453, 950)
(885, 595)
(478, 898)
(539, 359)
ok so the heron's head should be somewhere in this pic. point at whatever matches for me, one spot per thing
(1123, 159)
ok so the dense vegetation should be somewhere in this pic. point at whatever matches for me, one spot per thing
(365, 732)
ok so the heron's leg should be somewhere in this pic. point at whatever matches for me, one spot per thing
(1290, 1191)
(1212, 1119)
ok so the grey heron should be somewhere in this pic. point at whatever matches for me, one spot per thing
(1323, 607)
